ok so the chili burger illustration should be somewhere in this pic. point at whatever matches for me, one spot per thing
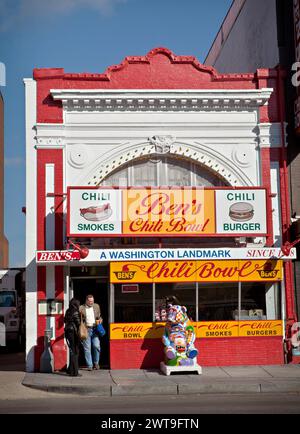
(96, 213)
(241, 212)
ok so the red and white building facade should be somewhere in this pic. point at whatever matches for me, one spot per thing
(167, 122)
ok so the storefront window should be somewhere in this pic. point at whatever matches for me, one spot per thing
(260, 301)
(185, 294)
(133, 306)
(217, 302)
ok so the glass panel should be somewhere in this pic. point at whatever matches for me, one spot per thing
(156, 171)
(178, 172)
(117, 178)
(133, 307)
(206, 178)
(184, 292)
(217, 302)
(145, 173)
(260, 301)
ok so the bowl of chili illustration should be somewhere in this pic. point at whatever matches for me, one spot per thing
(96, 213)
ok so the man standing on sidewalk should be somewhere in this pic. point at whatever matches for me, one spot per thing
(91, 317)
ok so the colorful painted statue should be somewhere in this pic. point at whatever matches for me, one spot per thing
(179, 338)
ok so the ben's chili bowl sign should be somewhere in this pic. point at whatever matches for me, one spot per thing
(166, 212)
(195, 271)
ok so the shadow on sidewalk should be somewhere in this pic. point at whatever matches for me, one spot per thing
(11, 359)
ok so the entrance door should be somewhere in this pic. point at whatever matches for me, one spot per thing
(99, 288)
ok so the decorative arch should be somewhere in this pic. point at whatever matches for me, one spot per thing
(198, 153)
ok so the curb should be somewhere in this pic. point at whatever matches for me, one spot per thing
(71, 389)
(167, 389)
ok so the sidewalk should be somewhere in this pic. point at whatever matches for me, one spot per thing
(228, 379)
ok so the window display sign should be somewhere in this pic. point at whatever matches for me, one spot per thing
(166, 212)
(196, 271)
(127, 289)
(212, 329)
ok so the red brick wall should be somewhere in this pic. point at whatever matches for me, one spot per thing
(148, 353)
(159, 69)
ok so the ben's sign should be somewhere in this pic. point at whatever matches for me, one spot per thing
(166, 212)
(57, 256)
(195, 271)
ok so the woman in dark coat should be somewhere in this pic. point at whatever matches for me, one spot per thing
(72, 322)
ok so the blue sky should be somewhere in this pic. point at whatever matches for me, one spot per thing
(84, 36)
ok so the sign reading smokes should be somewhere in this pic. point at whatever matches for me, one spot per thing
(166, 212)
(94, 211)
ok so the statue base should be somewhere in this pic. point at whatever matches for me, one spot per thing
(167, 370)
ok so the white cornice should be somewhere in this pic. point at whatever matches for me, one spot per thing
(160, 100)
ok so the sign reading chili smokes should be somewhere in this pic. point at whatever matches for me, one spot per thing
(166, 211)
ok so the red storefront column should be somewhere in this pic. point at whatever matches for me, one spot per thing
(55, 157)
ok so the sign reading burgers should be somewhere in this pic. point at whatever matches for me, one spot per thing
(241, 211)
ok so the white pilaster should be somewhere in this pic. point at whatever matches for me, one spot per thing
(31, 216)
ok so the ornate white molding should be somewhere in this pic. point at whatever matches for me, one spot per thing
(162, 143)
(160, 100)
(241, 157)
(214, 161)
(77, 156)
(49, 142)
(101, 129)
(270, 135)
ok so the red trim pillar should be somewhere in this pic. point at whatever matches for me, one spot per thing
(55, 157)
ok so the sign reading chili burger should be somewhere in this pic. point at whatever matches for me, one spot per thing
(241, 211)
(166, 212)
